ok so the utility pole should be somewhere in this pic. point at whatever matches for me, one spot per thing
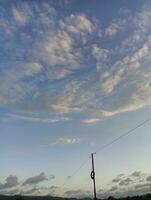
(93, 176)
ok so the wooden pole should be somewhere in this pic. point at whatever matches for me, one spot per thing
(93, 176)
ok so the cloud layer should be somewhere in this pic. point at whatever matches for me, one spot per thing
(135, 183)
(11, 181)
(61, 65)
(30, 186)
(35, 179)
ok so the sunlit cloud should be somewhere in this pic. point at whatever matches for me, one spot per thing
(91, 121)
(67, 56)
(63, 141)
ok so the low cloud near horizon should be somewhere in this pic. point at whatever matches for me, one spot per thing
(138, 183)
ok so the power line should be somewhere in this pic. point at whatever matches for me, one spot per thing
(105, 146)
(75, 172)
(123, 135)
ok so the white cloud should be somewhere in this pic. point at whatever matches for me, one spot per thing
(70, 69)
(109, 81)
(33, 118)
(72, 97)
(19, 17)
(60, 45)
(77, 24)
(13, 86)
(32, 69)
(58, 49)
(99, 53)
(63, 141)
(91, 121)
(115, 27)
(141, 53)
(63, 104)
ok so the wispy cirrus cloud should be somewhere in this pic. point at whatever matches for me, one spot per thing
(33, 118)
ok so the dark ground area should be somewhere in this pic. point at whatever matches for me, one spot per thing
(17, 197)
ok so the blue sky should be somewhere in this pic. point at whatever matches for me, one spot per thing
(74, 75)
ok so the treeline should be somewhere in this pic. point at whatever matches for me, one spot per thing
(143, 197)
(17, 197)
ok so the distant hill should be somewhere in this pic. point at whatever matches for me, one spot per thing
(17, 197)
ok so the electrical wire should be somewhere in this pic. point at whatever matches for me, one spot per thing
(123, 135)
(105, 146)
(75, 172)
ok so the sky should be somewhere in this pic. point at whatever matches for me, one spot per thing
(74, 75)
